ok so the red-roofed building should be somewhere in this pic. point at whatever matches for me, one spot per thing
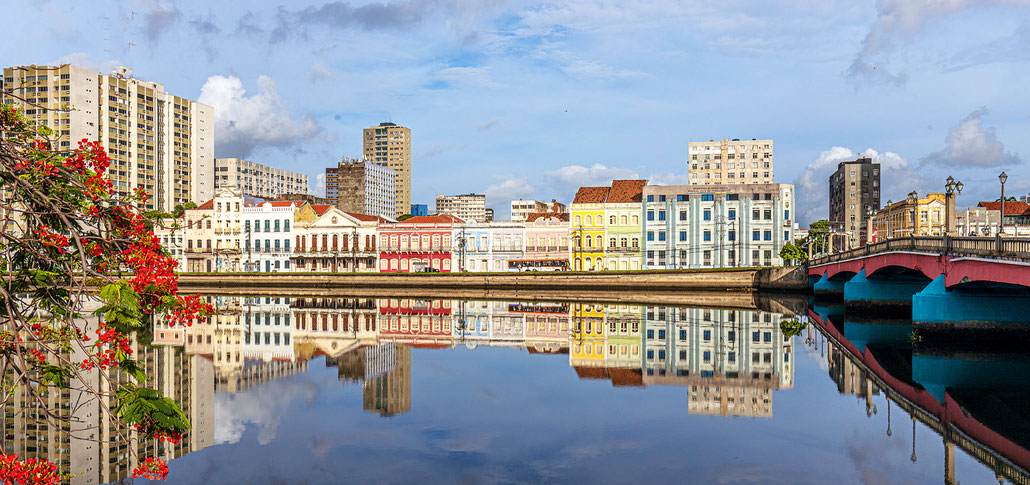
(336, 241)
(606, 227)
(418, 243)
(1017, 215)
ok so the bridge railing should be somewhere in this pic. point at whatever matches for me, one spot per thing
(1010, 248)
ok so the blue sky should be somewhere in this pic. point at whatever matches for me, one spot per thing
(531, 99)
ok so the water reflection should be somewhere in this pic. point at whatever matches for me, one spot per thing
(249, 367)
(973, 398)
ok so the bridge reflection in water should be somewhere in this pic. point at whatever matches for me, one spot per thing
(728, 362)
(973, 398)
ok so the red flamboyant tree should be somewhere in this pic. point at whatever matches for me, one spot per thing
(70, 243)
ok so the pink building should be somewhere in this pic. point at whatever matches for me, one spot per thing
(547, 236)
(415, 244)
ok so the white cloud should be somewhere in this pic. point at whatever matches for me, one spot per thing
(320, 185)
(898, 19)
(507, 188)
(897, 178)
(969, 143)
(668, 179)
(263, 406)
(82, 59)
(244, 123)
(596, 175)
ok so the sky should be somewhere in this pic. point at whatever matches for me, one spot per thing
(520, 99)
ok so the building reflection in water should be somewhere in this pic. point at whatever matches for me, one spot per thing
(729, 362)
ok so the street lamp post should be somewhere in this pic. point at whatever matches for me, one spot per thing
(870, 213)
(890, 214)
(1002, 178)
(913, 200)
(951, 188)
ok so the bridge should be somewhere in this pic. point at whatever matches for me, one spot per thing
(949, 283)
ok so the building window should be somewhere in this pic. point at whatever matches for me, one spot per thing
(661, 235)
(661, 215)
(708, 235)
(650, 215)
(756, 235)
(707, 215)
(683, 235)
(768, 235)
(707, 197)
(731, 235)
(650, 235)
(731, 214)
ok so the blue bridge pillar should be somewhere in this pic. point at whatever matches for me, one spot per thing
(874, 293)
(976, 311)
(826, 287)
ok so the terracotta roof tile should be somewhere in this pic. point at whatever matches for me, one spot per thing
(591, 372)
(207, 205)
(367, 217)
(440, 219)
(626, 191)
(321, 209)
(591, 195)
(1012, 207)
(626, 377)
(563, 217)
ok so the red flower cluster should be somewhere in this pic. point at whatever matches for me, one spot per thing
(31, 471)
(188, 308)
(106, 349)
(59, 241)
(151, 469)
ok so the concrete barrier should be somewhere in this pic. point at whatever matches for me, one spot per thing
(735, 280)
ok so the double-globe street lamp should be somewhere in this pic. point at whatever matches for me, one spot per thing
(951, 188)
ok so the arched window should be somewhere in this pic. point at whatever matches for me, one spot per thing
(587, 265)
(590, 220)
(393, 264)
(598, 241)
(446, 265)
(579, 221)
(599, 264)
(578, 265)
(611, 242)
(590, 242)
(404, 265)
(611, 220)
(623, 220)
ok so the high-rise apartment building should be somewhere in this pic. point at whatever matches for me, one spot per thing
(470, 207)
(158, 141)
(389, 145)
(365, 188)
(854, 191)
(258, 180)
(332, 183)
(730, 162)
(521, 209)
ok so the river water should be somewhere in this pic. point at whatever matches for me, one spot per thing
(376, 390)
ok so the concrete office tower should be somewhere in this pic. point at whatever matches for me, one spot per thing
(258, 180)
(730, 162)
(854, 191)
(157, 141)
(470, 207)
(389, 145)
(365, 188)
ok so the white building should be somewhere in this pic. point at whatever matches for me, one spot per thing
(157, 141)
(730, 162)
(487, 246)
(233, 232)
(469, 207)
(258, 180)
(696, 226)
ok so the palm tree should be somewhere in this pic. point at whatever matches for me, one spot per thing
(1007, 199)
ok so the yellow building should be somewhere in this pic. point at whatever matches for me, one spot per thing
(896, 219)
(390, 145)
(586, 338)
(588, 228)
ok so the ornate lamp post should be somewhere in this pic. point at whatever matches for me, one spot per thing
(951, 188)
(1002, 178)
(870, 213)
(913, 200)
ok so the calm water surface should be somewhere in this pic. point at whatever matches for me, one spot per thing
(309, 390)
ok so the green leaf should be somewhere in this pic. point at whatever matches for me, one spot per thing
(54, 375)
(133, 368)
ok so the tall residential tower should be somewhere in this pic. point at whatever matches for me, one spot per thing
(730, 162)
(854, 192)
(390, 145)
(157, 141)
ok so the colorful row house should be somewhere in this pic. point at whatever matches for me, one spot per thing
(487, 246)
(606, 227)
(418, 244)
